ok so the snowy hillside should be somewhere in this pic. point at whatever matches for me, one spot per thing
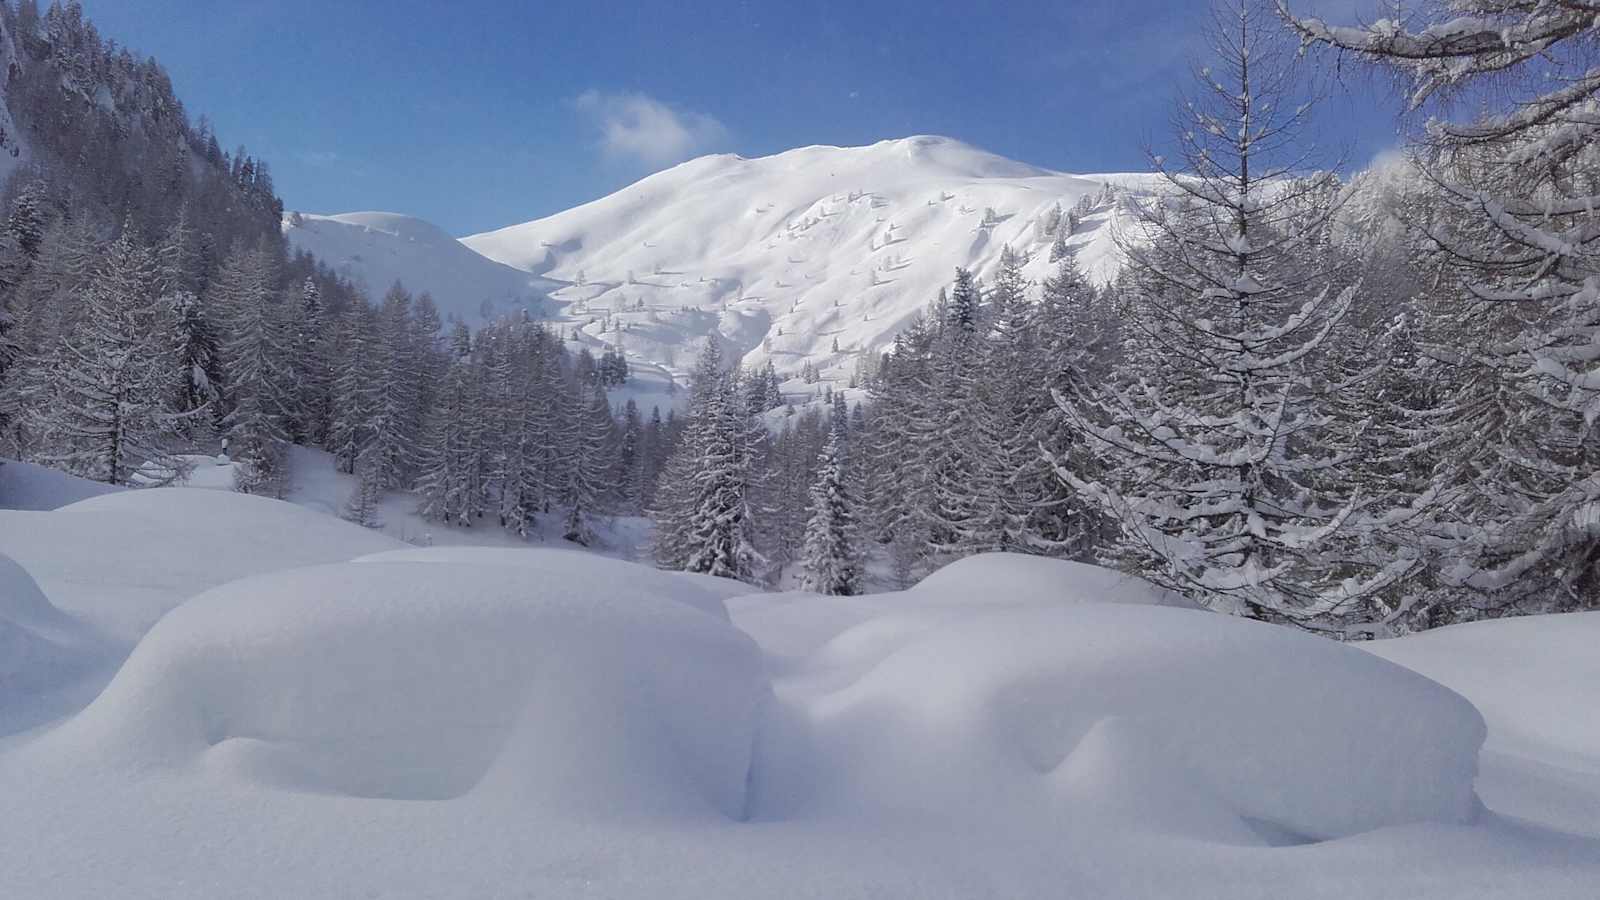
(376, 249)
(787, 256)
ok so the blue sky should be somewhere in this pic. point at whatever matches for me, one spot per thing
(476, 115)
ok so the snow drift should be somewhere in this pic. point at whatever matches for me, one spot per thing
(33, 487)
(123, 559)
(601, 578)
(477, 722)
(425, 681)
(1011, 680)
(40, 647)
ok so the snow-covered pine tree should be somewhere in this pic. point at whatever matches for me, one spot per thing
(947, 432)
(313, 371)
(1522, 180)
(1218, 460)
(592, 472)
(628, 472)
(721, 528)
(450, 479)
(255, 357)
(357, 385)
(107, 415)
(832, 558)
(703, 513)
(396, 425)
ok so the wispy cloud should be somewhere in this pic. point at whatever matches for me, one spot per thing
(640, 128)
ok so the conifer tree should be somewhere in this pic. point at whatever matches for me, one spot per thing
(1220, 465)
(832, 560)
(255, 355)
(106, 414)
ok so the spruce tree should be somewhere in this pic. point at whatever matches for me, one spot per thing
(832, 560)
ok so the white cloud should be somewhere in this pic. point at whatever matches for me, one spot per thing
(637, 127)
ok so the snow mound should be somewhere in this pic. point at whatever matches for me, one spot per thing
(606, 578)
(375, 249)
(1117, 777)
(121, 560)
(33, 487)
(1017, 578)
(39, 645)
(1536, 679)
(796, 623)
(428, 681)
(1279, 727)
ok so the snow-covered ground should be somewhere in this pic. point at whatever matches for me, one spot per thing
(220, 695)
(316, 484)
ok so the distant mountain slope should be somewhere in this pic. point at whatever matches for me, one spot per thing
(785, 255)
(374, 249)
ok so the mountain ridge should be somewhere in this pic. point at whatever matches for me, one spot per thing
(817, 254)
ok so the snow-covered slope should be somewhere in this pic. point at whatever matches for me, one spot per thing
(376, 249)
(787, 256)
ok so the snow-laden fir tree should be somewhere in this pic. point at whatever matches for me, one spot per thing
(1218, 459)
(704, 517)
(832, 558)
(1522, 180)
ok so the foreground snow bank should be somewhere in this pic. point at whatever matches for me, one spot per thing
(1025, 703)
(33, 487)
(795, 624)
(123, 559)
(600, 577)
(40, 647)
(1536, 679)
(427, 681)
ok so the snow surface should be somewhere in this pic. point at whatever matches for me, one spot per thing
(318, 711)
(601, 577)
(29, 486)
(373, 250)
(826, 243)
(1537, 682)
(122, 560)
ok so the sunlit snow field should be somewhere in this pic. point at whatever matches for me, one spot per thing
(205, 694)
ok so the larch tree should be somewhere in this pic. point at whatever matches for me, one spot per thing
(1521, 246)
(1218, 460)
(109, 415)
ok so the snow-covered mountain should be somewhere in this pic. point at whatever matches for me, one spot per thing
(789, 256)
(376, 249)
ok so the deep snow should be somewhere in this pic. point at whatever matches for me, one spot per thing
(312, 709)
(373, 250)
